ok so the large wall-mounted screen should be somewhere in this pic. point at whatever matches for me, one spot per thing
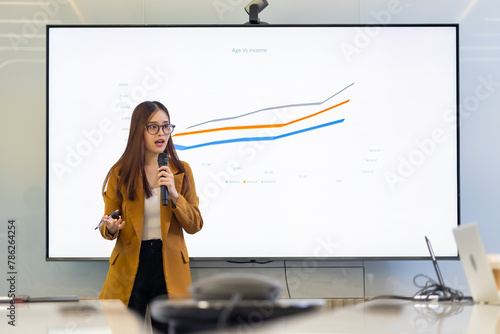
(334, 142)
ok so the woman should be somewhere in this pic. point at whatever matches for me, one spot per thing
(150, 256)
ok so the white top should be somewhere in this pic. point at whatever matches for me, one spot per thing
(152, 216)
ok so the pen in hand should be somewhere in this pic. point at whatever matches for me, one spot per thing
(103, 221)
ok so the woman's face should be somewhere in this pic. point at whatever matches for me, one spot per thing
(159, 123)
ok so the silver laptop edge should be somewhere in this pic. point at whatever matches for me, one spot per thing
(475, 263)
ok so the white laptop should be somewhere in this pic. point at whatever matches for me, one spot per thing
(476, 265)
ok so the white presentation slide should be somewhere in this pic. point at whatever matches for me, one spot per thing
(305, 141)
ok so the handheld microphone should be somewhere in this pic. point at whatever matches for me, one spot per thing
(163, 161)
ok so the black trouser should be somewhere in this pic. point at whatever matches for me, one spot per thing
(150, 280)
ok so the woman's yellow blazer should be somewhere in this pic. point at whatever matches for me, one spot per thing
(124, 259)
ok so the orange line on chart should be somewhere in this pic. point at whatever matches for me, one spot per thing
(263, 126)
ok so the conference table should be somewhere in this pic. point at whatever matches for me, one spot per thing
(390, 317)
(379, 316)
(82, 317)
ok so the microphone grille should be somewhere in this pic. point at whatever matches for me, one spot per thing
(162, 159)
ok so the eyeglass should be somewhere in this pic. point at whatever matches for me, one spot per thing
(154, 128)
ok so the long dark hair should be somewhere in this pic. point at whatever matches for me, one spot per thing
(131, 163)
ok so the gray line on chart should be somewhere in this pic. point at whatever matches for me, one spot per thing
(271, 108)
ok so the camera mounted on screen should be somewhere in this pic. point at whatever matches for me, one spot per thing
(253, 9)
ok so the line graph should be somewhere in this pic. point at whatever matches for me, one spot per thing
(261, 126)
(268, 138)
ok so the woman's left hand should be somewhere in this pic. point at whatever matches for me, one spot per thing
(166, 178)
